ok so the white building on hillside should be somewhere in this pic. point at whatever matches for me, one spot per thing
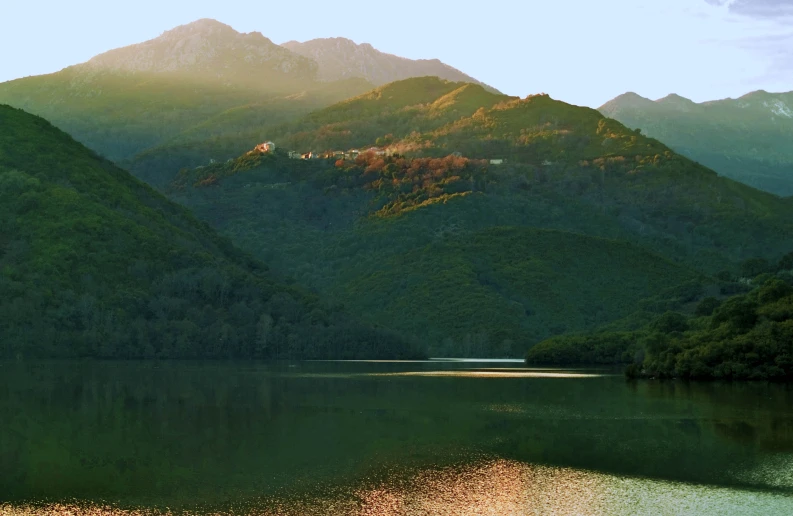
(265, 147)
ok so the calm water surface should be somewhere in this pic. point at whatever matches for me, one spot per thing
(385, 438)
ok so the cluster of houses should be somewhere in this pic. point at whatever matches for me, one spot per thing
(346, 155)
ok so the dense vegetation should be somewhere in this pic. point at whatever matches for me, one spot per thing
(436, 247)
(95, 263)
(746, 139)
(748, 335)
(386, 114)
(451, 247)
(571, 155)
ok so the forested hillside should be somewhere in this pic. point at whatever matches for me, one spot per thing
(95, 263)
(743, 332)
(564, 164)
(446, 249)
(433, 238)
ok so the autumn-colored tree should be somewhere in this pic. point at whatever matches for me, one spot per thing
(375, 166)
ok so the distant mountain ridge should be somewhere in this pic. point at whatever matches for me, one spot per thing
(193, 86)
(746, 139)
(341, 58)
(128, 100)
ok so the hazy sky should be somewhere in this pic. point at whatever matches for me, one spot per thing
(580, 51)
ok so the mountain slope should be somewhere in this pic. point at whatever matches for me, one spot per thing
(431, 116)
(391, 112)
(746, 139)
(457, 260)
(131, 99)
(210, 49)
(566, 155)
(400, 106)
(95, 263)
(414, 238)
(340, 58)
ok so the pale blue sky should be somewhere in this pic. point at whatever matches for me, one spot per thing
(580, 51)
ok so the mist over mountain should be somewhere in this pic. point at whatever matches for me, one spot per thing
(341, 58)
(747, 139)
(198, 84)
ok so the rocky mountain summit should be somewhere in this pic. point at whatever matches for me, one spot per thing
(207, 47)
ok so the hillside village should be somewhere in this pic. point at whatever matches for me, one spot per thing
(351, 154)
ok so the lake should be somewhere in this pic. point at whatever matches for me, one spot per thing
(385, 438)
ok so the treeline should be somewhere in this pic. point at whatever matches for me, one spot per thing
(190, 313)
(746, 333)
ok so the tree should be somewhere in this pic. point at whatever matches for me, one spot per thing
(754, 267)
(706, 307)
(786, 263)
(263, 329)
(740, 312)
(670, 322)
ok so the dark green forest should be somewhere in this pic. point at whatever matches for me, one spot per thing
(743, 332)
(442, 248)
(483, 259)
(94, 263)
(583, 224)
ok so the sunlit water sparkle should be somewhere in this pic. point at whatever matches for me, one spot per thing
(491, 488)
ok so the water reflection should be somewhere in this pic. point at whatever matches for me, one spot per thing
(181, 434)
(496, 488)
(495, 373)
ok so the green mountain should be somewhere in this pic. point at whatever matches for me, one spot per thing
(386, 114)
(567, 156)
(461, 250)
(459, 262)
(95, 263)
(401, 106)
(746, 139)
(196, 93)
(340, 58)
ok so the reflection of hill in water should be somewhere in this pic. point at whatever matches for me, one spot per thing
(185, 433)
(756, 414)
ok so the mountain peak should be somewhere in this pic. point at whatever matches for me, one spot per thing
(202, 25)
(209, 48)
(674, 97)
(675, 101)
(754, 95)
(629, 100)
